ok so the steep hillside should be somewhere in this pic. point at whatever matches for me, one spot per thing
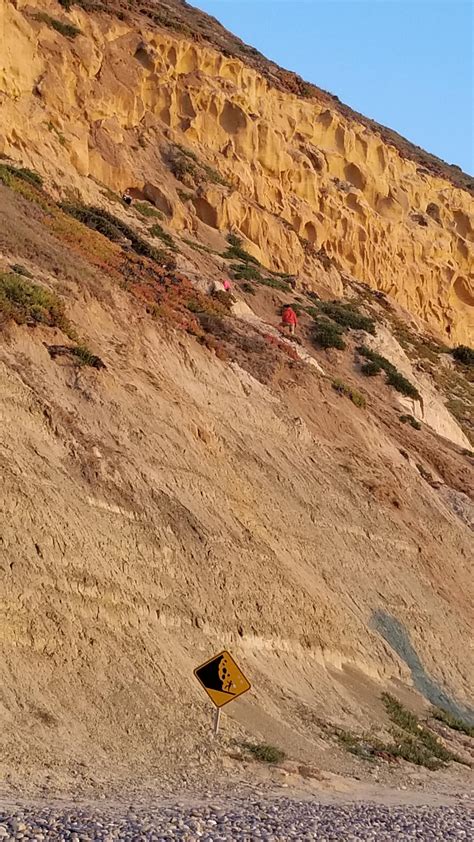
(298, 177)
(178, 476)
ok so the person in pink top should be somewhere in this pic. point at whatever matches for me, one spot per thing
(226, 285)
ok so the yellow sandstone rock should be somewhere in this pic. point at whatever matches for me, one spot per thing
(302, 177)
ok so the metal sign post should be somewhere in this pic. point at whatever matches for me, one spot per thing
(217, 721)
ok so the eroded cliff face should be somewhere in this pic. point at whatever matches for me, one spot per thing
(301, 181)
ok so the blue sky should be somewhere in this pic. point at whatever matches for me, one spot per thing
(406, 63)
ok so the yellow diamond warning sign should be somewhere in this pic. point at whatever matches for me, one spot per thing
(222, 679)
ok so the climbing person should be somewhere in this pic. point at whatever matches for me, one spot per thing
(289, 319)
(227, 285)
(127, 198)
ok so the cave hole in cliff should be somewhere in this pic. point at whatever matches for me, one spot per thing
(310, 233)
(325, 119)
(353, 203)
(462, 223)
(186, 107)
(232, 118)
(144, 58)
(340, 138)
(206, 212)
(355, 176)
(381, 158)
(463, 292)
(432, 209)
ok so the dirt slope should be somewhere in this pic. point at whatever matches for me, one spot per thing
(177, 478)
(117, 99)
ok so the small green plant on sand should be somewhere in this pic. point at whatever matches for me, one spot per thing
(8, 172)
(409, 419)
(412, 741)
(371, 368)
(343, 389)
(265, 753)
(148, 210)
(248, 288)
(85, 357)
(394, 377)
(81, 354)
(235, 251)
(244, 272)
(453, 722)
(424, 739)
(17, 269)
(66, 29)
(347, 316)
(157, 231)
(463, 354)
(327, 334)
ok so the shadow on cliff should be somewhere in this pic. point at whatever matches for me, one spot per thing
(397, 637)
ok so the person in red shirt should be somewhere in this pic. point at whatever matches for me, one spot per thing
(289, 319)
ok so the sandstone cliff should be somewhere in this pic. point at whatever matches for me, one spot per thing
(176, 476)
(300, 175)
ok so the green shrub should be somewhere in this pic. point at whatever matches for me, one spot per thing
(409, 419)
(114, 229)
(199, 246)
(265, 753)
(184, 195)
(246, 273)
(188, 153)
(157, 231)
(327, 334)
(453, 721)
(213, 176)
(371, 368)
(66, 4)
(236, 252)
(8, 171)
(27, 303)
(464, 354)
(274, 284)
(81, 354)
(248, 288)
(348, 316)
(20, 270)
(399, 714)
(402, 385)
(183, 162)
(343, 389)
(286, 277)
(394, 377)
(86, 357)
(421, 742)
(66, 29)
(148, 210)
(405, 747)
(410, 749)
(373, 356)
